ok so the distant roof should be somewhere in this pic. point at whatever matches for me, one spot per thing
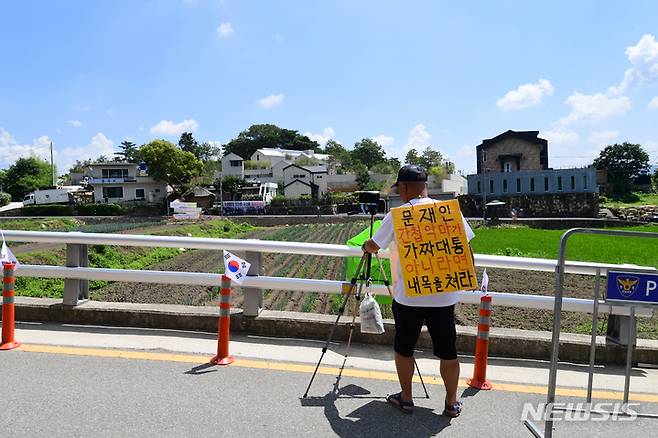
(278, 152)
(296, 181)
(311, 169)
(530, 136)
(114, 163)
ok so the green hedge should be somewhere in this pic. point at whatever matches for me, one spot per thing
(101, 209)
(5, 198)
(46, 210)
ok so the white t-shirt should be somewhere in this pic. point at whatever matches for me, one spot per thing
(385, 237)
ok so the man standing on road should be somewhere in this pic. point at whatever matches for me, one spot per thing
(436, 311)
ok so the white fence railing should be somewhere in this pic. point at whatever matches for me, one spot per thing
(76, 273)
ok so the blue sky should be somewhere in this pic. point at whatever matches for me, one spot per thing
(90, 74)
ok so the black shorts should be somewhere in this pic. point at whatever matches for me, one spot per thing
(440, 323)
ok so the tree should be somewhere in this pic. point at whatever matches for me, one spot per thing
(168, 163)
(362, 176)
(654, 180)
(623, 164)
(268, 136)
(368, 152)
(339, 156)
(430, 158)
(203, 151)
(129, 152)
(25, 176)
(412, 157)
(232, 184)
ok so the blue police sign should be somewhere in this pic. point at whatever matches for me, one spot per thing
(632, 288)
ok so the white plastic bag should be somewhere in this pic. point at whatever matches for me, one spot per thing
(371, 316)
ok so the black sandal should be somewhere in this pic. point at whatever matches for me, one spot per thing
(453, 411)
(396, 400)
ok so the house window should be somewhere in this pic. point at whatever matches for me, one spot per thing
(585, 182)
(479, 186)
(318, 177)
(507, 167)
(301, 175)
(546, 184)
(573, 182)
(157, 190)
(532, 184)
(505, 185)
(236, 163)
(559, 183)
(258, 157)
(484, 155)
(113, 192)
(491, 186)
(139, 194)
(114, 173)
(518, 185)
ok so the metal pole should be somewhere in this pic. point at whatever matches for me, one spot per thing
(557, 315)
(592, 347)
(629, 355)
(52, 164)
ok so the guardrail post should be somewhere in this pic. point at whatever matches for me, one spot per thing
(618, 330)
(253, 298)
(77, 255)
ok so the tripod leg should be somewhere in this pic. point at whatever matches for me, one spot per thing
(390, 293)
(333, 327)
(349, 339)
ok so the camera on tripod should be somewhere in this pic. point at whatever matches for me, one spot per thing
(368, 202)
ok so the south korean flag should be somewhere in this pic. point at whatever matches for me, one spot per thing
(235, 268)
(6, 256)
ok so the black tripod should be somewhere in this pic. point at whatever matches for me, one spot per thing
(362, 276)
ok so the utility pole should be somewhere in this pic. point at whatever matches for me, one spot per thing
(52, 165)
(484, 188)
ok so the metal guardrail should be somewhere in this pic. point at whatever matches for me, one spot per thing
(77, 274)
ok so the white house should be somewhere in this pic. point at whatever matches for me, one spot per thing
(233, 164)
(124, 182)
(304, 180)
(274, 155)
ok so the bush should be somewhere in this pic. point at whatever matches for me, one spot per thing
(47, 210)
(278, 201)
(5, 198)
(101, 209)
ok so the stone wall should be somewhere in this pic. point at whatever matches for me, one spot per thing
(563, 205)
(642, 213)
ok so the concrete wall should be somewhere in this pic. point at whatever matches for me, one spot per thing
(154, 192)
(505, 183)
(297, 189)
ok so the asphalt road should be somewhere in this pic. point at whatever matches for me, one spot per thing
(68, 395)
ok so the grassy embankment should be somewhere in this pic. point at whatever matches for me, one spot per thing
(119, 257)
(631, 200)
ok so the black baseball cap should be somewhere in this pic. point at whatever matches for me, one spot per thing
(411, 173)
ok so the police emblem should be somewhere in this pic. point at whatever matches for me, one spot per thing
(627, 285)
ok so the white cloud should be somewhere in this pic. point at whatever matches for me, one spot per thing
(466, 151)
(602, 137)
(271, 101)
(653, 104)
(169, 128)
(644, 58)
(322, 139)
(225, 29)
(384, 140)
(526, 95)
(418, 138)
(99, 145)
(278, 37)
(11, 150)
(109, 112)
(76, 123)
(594, 107)
(561, 136)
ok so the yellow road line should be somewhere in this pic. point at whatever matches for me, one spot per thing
(301, 368)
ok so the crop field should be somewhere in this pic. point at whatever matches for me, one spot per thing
(515, 241)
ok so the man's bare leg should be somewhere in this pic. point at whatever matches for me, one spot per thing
(405, 368)
(450, 375)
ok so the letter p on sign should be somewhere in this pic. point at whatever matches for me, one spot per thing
(651, 286)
